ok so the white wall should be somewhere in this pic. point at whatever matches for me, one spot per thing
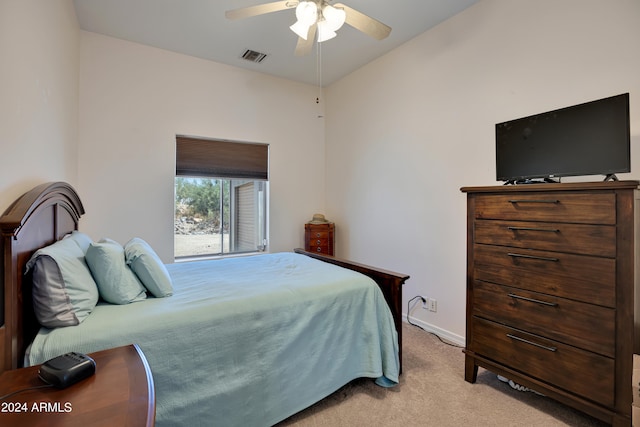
(407, 131)
(403, 134)
(39, 43)
(135, 99)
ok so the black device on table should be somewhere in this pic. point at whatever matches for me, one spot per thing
(67, 369)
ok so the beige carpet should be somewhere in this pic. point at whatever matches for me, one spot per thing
(432, 392)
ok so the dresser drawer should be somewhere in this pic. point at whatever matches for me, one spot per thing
(583, 208)
(321, 249)
(318, 234)
(583, 325)
(578, 371)
(318, 241)
(597, 240)
(578, 277)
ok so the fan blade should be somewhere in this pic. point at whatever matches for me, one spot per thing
(260, 9)
(304, 46)
(364, 23)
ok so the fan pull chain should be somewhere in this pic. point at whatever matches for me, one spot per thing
(319, 74)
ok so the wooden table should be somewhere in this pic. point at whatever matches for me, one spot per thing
(121, 393)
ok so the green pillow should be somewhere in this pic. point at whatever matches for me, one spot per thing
(117, 284)
(148, 267)
(64, 292)
(81, 239)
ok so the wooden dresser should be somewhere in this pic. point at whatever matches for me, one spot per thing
(550, 290)
(318, 238)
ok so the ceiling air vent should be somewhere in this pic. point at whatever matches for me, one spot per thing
(253, 56)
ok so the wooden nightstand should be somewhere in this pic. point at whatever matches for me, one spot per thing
(120, 393)
(318, 238)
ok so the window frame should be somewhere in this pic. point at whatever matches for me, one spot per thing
(237, 163)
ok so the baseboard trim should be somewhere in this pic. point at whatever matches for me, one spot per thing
(442, 333)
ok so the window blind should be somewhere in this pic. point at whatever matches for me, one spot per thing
(221, 159)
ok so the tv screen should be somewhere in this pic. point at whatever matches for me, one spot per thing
(586, 139)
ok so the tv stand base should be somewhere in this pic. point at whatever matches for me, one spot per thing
(532, 181)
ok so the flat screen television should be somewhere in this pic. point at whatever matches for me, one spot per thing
(586, 139)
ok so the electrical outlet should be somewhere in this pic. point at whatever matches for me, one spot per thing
(433, 304)
(425, 302)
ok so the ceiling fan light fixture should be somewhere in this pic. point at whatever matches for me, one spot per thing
(307, 15)
(316, 16)
(333, 17)
(300, 29)
(325, 32)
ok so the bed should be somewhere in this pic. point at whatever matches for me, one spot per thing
(249, 341)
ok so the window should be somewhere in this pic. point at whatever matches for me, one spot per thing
(220, 197)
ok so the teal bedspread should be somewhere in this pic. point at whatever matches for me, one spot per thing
(245, 341)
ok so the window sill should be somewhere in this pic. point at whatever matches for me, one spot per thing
(209, 257)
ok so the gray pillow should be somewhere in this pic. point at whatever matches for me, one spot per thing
(64, 292)
(116, 282)
(147, 265)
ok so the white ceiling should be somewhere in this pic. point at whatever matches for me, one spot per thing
(199, 28)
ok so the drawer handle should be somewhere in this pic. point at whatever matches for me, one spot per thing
(537, 301)
(552, 201)
(541, 258)
(551, 230)
(513, 337)
(319, 250)
(318, 242)
(317, 234)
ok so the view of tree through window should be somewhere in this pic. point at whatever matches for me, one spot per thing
(215, 216)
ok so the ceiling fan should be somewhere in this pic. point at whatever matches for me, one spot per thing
(316, 17)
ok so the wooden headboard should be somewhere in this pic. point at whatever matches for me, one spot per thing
(36, 219)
